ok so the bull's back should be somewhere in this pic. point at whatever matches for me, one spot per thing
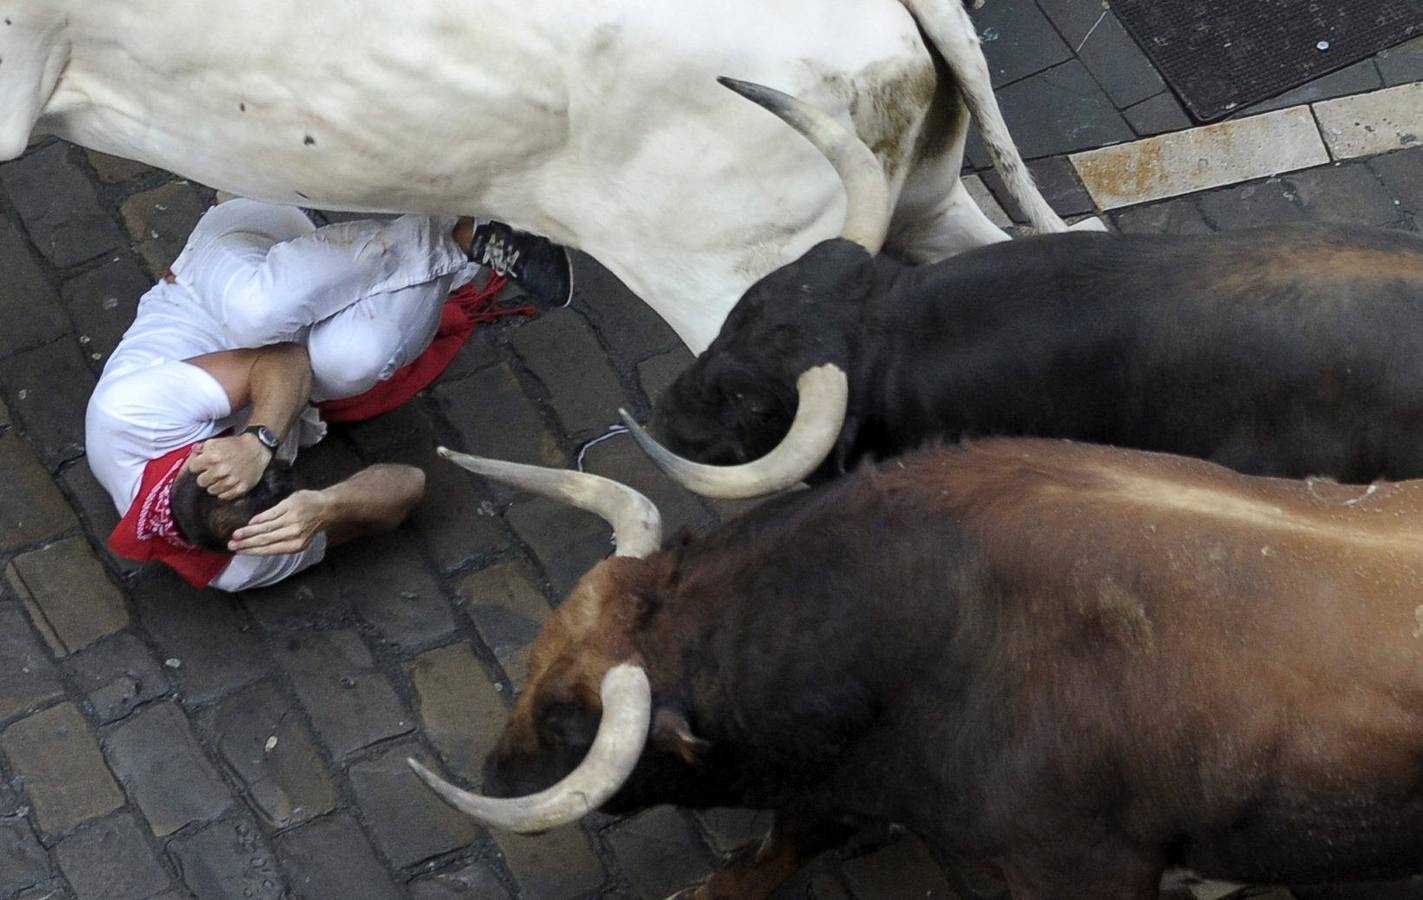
(1194, 632)
(1288, 351)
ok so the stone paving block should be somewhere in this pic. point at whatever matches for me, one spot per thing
(557, 865)
(227, 860)
(620, 459)
(507, 609)
(1058, 182)
(388, 583)
(1273, 201)
(269, 749)
(59, 206)
(731, 829)
(456, 520)
(4, 415)
(103, 303)
(1359, 78)
(630, 328)
(27, 677)
(901, 869)
(656, 375)
(659, 852)
(406, 424)
(351, 705)
(1157, 115)
(214, 648)
(164, 771)
(409, 822)
(494, 417)
(28, 306)
(1061, 111)
(1184, 162)
(985, 200)
(160, 221)
(462, 711)
(22, 860)
(473, 882)
(31, 507)
(309, 600)
(480, 351)
(117, 674)
(331, 858)
(110, 860)
(56, 758)
(116, 169)
(567, 541)
(49, 388)
(562, 351)
(1373, 123)
(1018, 40)
(1348, 194)
(68, 594)
(1402, 175)
(1402, 64)
(1118, 64)
(98, 515)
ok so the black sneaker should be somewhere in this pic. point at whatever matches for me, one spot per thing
(539, 266)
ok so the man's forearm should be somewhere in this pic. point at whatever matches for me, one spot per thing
(280, 386)
(377, 498)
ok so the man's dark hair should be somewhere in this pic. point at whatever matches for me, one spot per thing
(208, 522)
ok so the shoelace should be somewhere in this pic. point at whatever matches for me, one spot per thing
(500, 257)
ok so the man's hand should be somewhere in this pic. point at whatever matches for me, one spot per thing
(229, 467)
(288, 527)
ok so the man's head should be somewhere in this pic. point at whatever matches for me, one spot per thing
(207, 522)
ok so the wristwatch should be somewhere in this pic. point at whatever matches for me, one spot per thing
(265, 436)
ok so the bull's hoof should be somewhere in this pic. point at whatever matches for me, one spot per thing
(1093, 224)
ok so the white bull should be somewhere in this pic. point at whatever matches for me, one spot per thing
(595, 122)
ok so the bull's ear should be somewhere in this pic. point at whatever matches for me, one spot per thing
(672, 733)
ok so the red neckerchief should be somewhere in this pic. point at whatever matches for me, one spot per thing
(147, 530)
(466, 308)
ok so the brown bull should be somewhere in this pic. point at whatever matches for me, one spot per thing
(1077, 664)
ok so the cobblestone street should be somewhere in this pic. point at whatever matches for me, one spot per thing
(157, 742)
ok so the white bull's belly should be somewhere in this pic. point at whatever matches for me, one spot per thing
(597, 123)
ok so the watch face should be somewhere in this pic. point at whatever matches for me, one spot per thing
(265, 435)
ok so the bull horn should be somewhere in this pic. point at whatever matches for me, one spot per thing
(820, 415)
(866, 191)
(637, 525)
(622, 733)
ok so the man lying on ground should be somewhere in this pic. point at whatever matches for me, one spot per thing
(262, 322)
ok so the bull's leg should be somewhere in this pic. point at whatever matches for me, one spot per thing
(792, 842)
(933, 231)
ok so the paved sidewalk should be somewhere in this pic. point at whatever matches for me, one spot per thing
(159, 743)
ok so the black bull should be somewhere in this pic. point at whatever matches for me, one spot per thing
(1075, 663)
(1284, 351)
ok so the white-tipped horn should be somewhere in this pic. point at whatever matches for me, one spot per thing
(820, 415)
(866, 191)
(622, 733)
(637, 525)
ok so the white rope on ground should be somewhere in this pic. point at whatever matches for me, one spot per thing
(613, 431)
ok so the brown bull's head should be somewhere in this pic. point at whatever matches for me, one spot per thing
(790, 329)
(580, 728)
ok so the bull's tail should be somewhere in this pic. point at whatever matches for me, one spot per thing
(952, 33)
